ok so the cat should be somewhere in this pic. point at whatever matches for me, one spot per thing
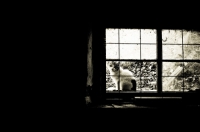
(126, 81)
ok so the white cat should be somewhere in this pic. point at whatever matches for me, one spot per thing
(126, 82)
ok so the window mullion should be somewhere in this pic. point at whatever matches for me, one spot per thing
(159, 59)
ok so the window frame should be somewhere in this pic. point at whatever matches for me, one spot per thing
(159, 60)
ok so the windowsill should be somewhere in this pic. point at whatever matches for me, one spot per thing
(153, 91)
(140, 106)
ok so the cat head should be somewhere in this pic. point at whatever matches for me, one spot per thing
(112, 65)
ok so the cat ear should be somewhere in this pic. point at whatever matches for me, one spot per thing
(108, 62)
(117, 62)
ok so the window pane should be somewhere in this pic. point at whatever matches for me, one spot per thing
(192, 76)
(191, 37)
(148, 36)
(172, 69)
(191, 51)
(172, 84)
(191, 69)
(186, 37)
(172, 52)
(129, 36)
(144, 74)
(129, 51)
(148, 51)
(191, 83)
(112, 51)
(172, 36)
(111, 35)
(110, 84)
(148, 77)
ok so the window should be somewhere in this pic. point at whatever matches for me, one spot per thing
(181, 70)
(134, 50)
(157, 60)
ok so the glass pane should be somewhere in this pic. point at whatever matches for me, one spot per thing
(172, 36)
(186, 37)
(191, 37)
(145, 74)
(172, 84)
(191, 51)
(111, 35)
(112, 51)
(146, 86)
(192, 76)
(148, 51)
(191, 69)
(172, 69)
(149, 74)
(172, 52)
(148, 36)
(129, 35)
(141, 74)
(110, 83)
(191, 83)
(129, 51)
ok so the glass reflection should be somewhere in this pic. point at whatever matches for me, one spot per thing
(191, 69)
(172, 84)
(191, 51)
(172, 69)
(191, 37)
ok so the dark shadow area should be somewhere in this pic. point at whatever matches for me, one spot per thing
(68, 61)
